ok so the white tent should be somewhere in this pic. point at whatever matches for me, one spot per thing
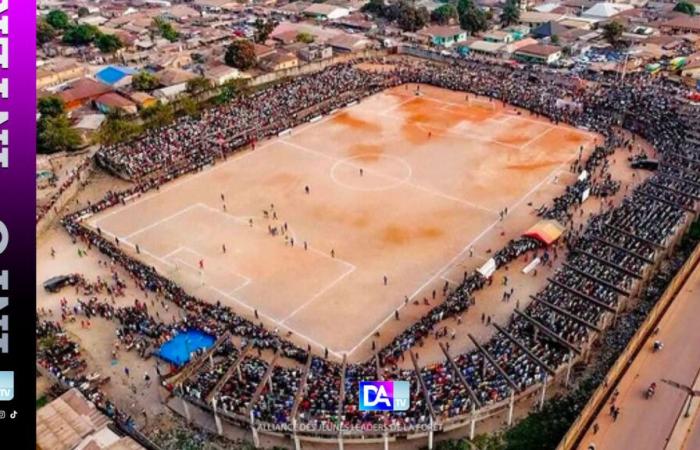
(605, 10)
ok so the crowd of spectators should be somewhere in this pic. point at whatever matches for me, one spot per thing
(192, 142)
(73, 175)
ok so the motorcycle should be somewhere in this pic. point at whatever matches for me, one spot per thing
(651, 390)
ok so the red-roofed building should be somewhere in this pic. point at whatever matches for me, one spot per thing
(682, 23)
(83, 91)
(112, 101)
(538, 53)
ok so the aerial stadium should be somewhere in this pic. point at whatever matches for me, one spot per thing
(481, 230)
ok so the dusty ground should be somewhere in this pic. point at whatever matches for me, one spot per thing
(399, 185)
(647, 424)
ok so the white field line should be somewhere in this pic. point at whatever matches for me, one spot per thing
(235, 299)
(392, 178)
(187, 178)
(274, 321)
(540, 135)
(441, 272)
(177, 183)
(424, 285)
(161, 221)
(318, 294)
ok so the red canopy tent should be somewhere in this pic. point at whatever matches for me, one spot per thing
(546, 231)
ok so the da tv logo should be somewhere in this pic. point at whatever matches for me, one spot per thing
(7, 386)
(384, 395)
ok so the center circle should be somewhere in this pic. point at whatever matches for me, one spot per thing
(371, 172)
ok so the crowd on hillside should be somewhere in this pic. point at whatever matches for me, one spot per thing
(606, 258)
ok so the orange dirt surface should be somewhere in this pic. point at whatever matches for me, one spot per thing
(658, 423)
(399, 185)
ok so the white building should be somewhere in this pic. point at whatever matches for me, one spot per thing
(325, 11)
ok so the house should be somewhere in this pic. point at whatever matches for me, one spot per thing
(262, 51)
(115, 76)
(173, 77)
(181, 13)
(350, 5)
(518, 31)
(292, 8)
(692, 70)
(83, 91)
(582, 23)
(348, 43)
(286, 37)
(220, 74)
(93, 20)
(169, 93)
(357, 22)
(112, 102)
(508, 49)
(534, 18)
(539, 53)
(605, 10)
(485, 48)
(549, 29)
(279, 60)
(498, 36)
(216, 6)
(72, 422)
(315, 52)
(142, 99)
(444, 36)
(89, 123)
(172, 60)
(682, 24)
(324, 11)
(58, 73)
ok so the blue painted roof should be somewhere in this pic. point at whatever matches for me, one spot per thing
(113, 74)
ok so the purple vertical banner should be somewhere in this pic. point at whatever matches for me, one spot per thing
(17, 222)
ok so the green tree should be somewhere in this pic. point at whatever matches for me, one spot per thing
(50, 106)
(510, 13)
(189, 106)
(240, 54)
(165, 29)
(376, 7)
(463, 6)
(108, 43)
(304, 37)
(54, 134)
(473, 20)
(81, 35)
(58, 19)
(157, 116)
(443, 14)
(44, 32)
(144, 81)
(411, 18)
(196, 86)
(229, 90)
(685, 7)
(83, 12)
(554, 39)
(612, 31)
(263, 28)
(117, 128)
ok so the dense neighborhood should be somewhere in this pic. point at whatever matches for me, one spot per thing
(109, 60)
